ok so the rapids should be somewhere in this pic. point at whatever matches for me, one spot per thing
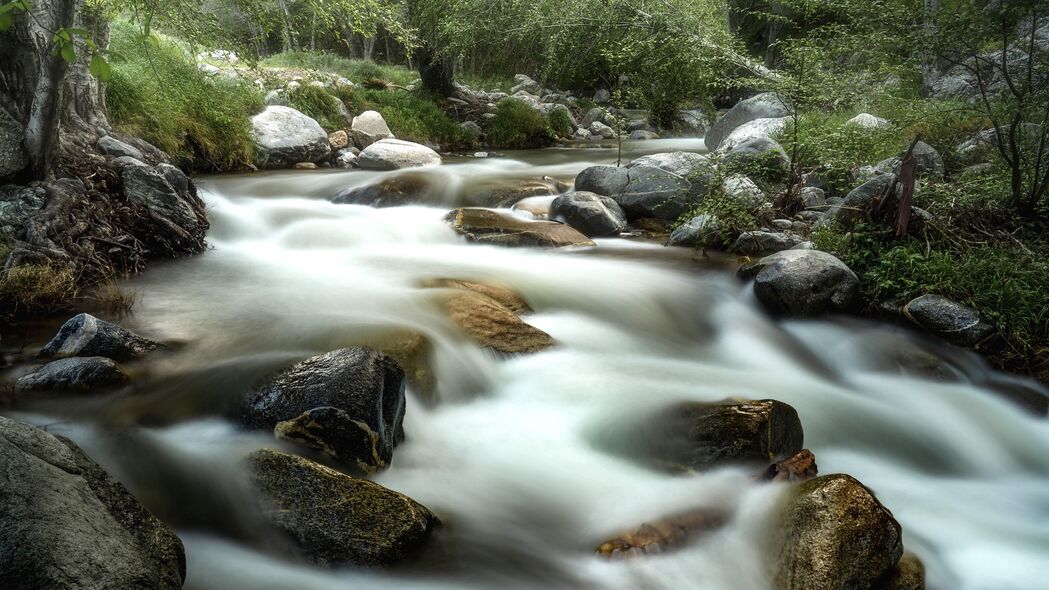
(509, 454)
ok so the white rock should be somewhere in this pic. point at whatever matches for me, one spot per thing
(867, 121)
(758, 128)
(286, 137)
(392, 154)
(368, 128)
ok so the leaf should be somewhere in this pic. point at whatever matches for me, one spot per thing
(5, 20)
(100, 68)
(68, 52)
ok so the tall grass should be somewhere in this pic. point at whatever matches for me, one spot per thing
(356, 70)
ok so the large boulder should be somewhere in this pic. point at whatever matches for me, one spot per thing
(335, 518)
(756, 129)
(645, 191)
(73, 374)
(702, 231)
(68, 524)
(368, 128)
(950, 320)
(286, 137)
(164, 192)
(833, 534)
(492, 324)
(13, 156)
(803, 283)
(762, 106)
(368, 386)
(394, 154)
(394, 191)
(683, 164)
(592, 214)
(487, 226)
(759, 242)
(86, 335)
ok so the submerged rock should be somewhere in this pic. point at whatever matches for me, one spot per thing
(335, 518)
(393, 154)
(761, 106)
(86, 335)
(949, 320)
(834, 534)
(493, 325)
(803, 283)
(286, 137)
(395, 191)
(73, 374)
(68, 524)
(487, 226)
(592, 214)
(504, 296)
(366, 385)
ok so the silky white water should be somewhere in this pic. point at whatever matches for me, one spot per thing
(509, 456)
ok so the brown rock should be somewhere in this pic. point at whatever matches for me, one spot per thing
(663, 535)
(506, 196)
(505, 296)
(487, 226)
(493, 325)
(338, 140)
(305, 166)
(909, 574)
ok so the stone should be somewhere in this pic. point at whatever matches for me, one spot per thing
(928, 159)
(17, 203)
(13, 157)
(599, 129)
(860, 200)
(336, 434)
(759, 153)
(338, 140)
(335, 518)
(345, 158)
(756, 129)
(275, 98)
(950, 320)
(285, 136)
(782, 224)
(504, 296)
(833, 534)
(365, 384)
(644, 191)
(493, 325)
(473, 130)
(151, 188)
(803, 283)
(643, 135)
(523, 83)
(582, 134)
(753, 243)
(394, 191)
(813, 198)
(86, 335)
(641, 125)
(867, 121)
(909, 574)
(487, 226)
(591, 214)
(602, 96)
(368, 128)
(693, 122)
(702, 231)
(394, 154)
(112, 146)
(761, 106)
(743, 191)
(81, 373)
(684, 164)
(68, 524)
(506, 195)
(305, 166)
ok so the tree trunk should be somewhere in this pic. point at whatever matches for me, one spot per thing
(437, 73)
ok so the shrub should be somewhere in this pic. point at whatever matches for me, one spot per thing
(318, 104)
(517, 126)
(561, 122)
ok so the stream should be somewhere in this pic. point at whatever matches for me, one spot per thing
(509, 452)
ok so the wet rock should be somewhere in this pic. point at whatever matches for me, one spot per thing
(537, 207)
(753, 243)
(948, 319)
(113, 147)
(867, 121)
(338, 140)
(486, 226)
(756, 129)
(395, 191)
(762, 106)
(803, 283)
(595, 114)
(335, 518)
(68, 524)
(368, 128)
(86, 335)
(494, 325)
(909, 574)
(684, 164)
(591, 214)
(507, 196)
(860, 200)
(73, 374)
(285, 137)
(833, 534)
(704, 231)
(644, 191)
(365, 384)
(504, 296)
(393, 154)
(336, 434)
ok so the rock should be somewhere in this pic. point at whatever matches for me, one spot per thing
(275, 98)
(68, 524)
(860, 200)
(335, 518)
(684, 164)
(17, 203)
(641, 125)
(365, 384)
(339, 140)
(151, 188)
(368, 128)
(286, 136)
(13, 157)
(336, 434)
(123, 162)
(909, 574)
(504, 296)
(345, 158)
(523, 83)
(762, 106)
(591, 214)
(602, 96)
(753, 243)
(703, 231)
(492, 324)
(813, 198)
(537, 207)
(486, 226)
(756, 129)
(803, 283)
(503, 195)
(644, 191)
(111, 146)
(782, 224)
(693, 121)
(833, 534)
(596, 114)
(567, 113)
(473, 130)
(742, 190)
(929, 162)
(599, 129)
(394, 191)
(949, 320)
(698, 436)
(305, 166)
(867, 121)
(73, 374)
(760, 154)
(643, 135)
(393, 154)
(86, 335)
(582, 134)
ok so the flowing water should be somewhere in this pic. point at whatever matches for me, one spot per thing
(510, 454)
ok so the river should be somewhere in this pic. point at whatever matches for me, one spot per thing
(510, 454)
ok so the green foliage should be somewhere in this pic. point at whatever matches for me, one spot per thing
(411, 116)
(733, 217)
(158, 93)
(355, 70)
(319, 104)
(561, 122)
(517, 126)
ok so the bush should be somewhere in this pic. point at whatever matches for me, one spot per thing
(561, 122)
(157, 92)
(518, 126)
(318, 104)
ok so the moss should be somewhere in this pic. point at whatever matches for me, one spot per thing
(517, 126)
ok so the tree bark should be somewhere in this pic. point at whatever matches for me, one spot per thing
(437, 73)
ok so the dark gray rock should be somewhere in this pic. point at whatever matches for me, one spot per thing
(928, 160)
(395, 191)
(591, 214)
(813, 198)
(67, 524)
(644, 191)
(13, 156)
(336, 434)
(762, 106)
(684, 164)
(753, 243)
(81, 373)
(859, 201)
(17, 203)
(702, 231)
(86, 335)
(803, 283)
(948, 319)
(335, 518)
(164, 202)
(365, 384)
(112, 146)
(602, 180)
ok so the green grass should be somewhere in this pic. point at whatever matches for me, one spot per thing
(318, 104)
(156, 92)
(517, 126)
(412, 116)
(356, 70)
